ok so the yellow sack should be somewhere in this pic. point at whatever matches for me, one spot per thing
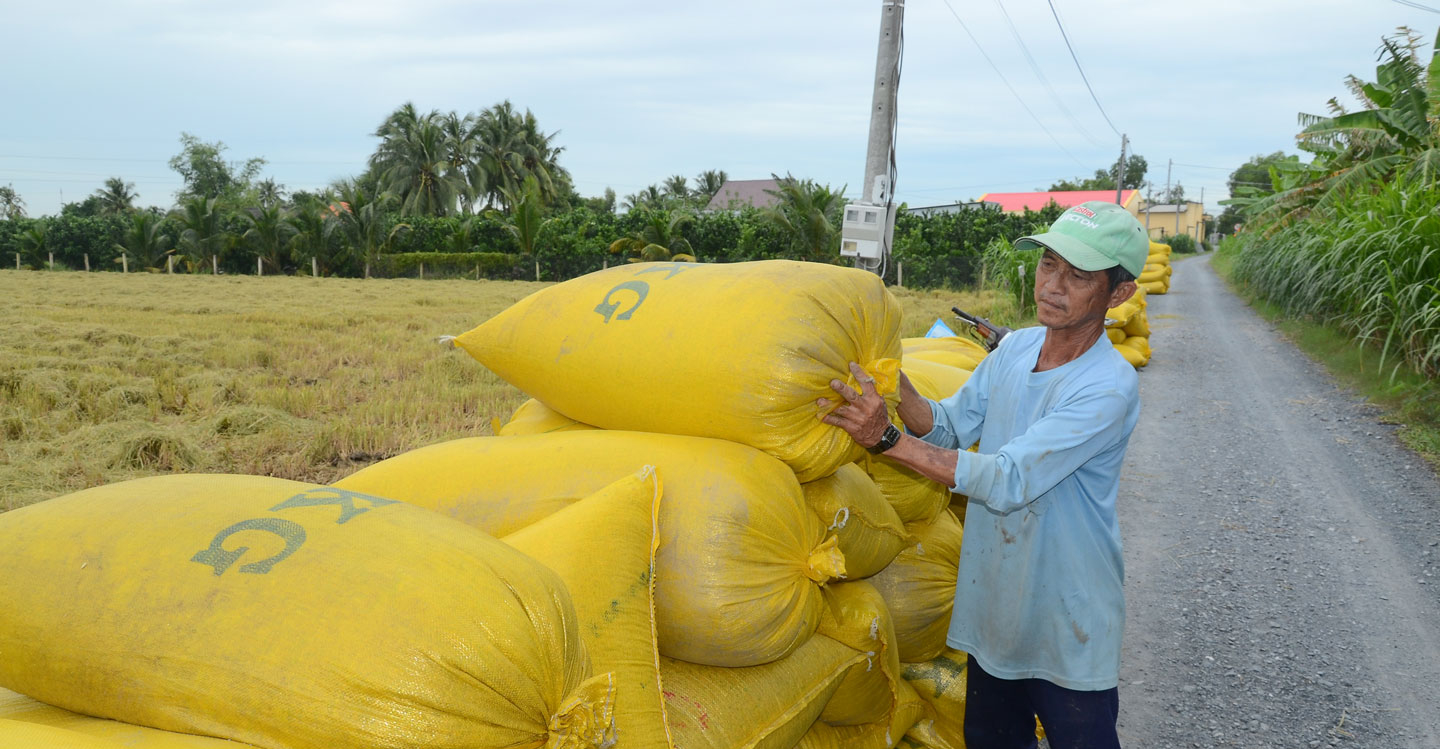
(1155, 287)
(919, 588)
(1115, 335)
(17, 735)
(1139, 325)
(856, 615)
(737, 351)
(1158, 248)
(866, 528)
(760, 707)
(741, 558)
(534, 417)
(603, 548)
(1136, 350)
(293, 616)
(956, 351)
(909, 710)
(940, 682)
(934, 380)
(21, 709)
(916, 499)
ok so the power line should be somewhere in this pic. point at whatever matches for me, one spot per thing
(156, 160)
(1417, 6)
(1056, 13)
(1014, 32)
(1006, 81)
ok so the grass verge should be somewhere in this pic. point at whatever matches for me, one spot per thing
(1408, 399)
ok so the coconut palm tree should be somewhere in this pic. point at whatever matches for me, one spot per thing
(314, 236)
(269, 234)
(412, 162)
(33, 244)
(510, 147)
(677, 188)
(809, 214)
(658, 240)
(363, 221)
(200, 236)
(526, 217)
(709, 182)
(651, 197)
(116, 197)
(143, 242)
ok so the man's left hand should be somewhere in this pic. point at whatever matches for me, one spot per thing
(863, 415)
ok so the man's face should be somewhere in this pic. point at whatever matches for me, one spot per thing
(1067, 297)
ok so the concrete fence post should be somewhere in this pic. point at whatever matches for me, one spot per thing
(52, 261)
(17, 261)
(169, 263)
(314, 267)
(900, 273)
(537, 269)
(214, 265)
(259, 266)
(422, 271)
(87, 262)
(124, 263)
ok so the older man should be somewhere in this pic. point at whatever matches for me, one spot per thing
(1038, 604)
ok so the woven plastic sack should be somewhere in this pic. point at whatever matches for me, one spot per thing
(289, 615)
(1157, 288)
(856, 615)
(760, 707)
(956, 351)
(1158, 248)
(919, 588)
(867, 530)
(17, 735)
(741, 558)
(1136, 350)
(915, 497)
(1115, 335)
(534, 417)
(603, 548)
(1139, 325)
(940, 682)
(19, 708)
(737, 351)
(909, 710)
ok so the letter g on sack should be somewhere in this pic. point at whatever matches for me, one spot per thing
(608, 307)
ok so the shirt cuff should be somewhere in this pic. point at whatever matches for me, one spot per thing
(937, 434)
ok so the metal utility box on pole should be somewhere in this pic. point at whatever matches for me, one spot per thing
(869, 225)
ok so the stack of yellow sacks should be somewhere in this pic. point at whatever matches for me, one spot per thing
(666, 548)
(1155, 278)
(1129, 329)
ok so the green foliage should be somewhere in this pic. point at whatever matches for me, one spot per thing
(526, 218)
(659, 238)
(11, 205)
(142, 242)
(1371, 268)
(1135, 168)
(207, 174)
(1183, 244)
(945, 250)
(808, 215)
(499, 266)
(116, 197)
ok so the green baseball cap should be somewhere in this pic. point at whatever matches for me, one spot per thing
(1095, 236)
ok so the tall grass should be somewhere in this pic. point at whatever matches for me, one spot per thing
(1372, 268)
(105, 377)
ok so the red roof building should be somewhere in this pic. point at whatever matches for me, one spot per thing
(1014, 202)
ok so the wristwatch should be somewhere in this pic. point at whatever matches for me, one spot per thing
(887, 440)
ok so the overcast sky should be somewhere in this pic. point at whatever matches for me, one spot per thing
(642, 90)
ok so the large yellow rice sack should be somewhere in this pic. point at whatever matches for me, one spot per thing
(534, 417)
(603, 548)
(1139, 325)
(956, 351)
(738, 351)
(856, 615)
(867, 530)
(919, 588)
(1115, 335)
(1155, 287)
(741, 557)
(19, 708)
(1136, 350)
(916, 498)
(940, 682)
(1159, 248)
(289, 615)
(759, 707)
(909, 710)
(17, 735)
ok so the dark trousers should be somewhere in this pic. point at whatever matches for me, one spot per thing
(1000, 713)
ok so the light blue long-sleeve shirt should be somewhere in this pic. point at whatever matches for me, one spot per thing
(1039, 590)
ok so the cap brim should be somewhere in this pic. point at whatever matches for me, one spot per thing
(1074, 251)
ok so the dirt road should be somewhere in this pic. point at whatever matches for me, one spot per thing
(1281, 547)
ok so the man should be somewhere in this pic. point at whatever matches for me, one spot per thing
(1038, 602)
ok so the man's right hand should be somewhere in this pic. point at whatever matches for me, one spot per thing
(914, 409)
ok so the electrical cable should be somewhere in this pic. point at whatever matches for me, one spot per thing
(1417, 6)
(1077, 66)
(1035, 67)
(1006, 81)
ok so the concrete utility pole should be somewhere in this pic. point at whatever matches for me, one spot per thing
(876, 187)
(1120, 172)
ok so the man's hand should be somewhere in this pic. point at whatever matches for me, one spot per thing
(863, 414)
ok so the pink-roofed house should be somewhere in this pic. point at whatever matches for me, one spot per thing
(1014, 202)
